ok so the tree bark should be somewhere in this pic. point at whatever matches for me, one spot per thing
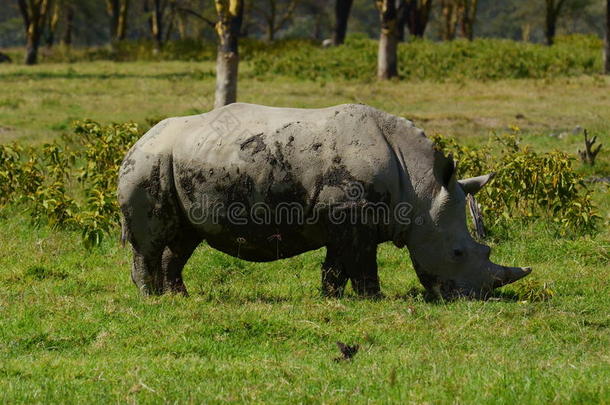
(553, 9)
(121, 32)
(401, 19)
(156, 24)
(449, 10)
(118, 12)
(53, 21)
(69, 21)
(387, 66)
(417, 16)
(468, 17)
(34, 13)
(230, 16)
(607, 52)
(342, 11)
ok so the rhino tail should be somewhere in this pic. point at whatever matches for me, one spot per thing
(124, 232)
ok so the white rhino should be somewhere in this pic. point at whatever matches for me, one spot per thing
(263, 183)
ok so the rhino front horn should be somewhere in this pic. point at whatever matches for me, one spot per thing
(505, 275)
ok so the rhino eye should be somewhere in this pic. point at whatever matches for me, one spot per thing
(458, 252)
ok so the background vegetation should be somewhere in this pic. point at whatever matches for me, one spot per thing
(73, 328)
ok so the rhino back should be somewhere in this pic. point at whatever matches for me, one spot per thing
(252, 155)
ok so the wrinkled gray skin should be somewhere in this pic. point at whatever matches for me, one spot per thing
(312, 157)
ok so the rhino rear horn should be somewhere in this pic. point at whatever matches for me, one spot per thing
(474, 184)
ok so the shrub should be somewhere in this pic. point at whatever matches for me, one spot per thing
(70, 185)
(527, 185)
(482, 59)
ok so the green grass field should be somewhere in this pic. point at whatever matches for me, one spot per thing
(73, 328)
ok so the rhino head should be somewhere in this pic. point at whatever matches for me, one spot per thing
(447, 260)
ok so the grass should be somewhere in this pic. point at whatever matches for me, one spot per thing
(73, 328)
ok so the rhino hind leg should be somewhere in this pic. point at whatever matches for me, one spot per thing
(352, 255)
(175, 256)
(146, 272)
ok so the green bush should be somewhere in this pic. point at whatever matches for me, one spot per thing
(482, 59)
(73, 184)
(527, 185)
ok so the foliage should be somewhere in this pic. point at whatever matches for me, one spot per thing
(145, 50)
(70, 185)
(527, 185)
(482, 59)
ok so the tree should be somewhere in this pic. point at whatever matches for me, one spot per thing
(34, 13)
(467, 16)
(69, 23)
(417, 14)
(458, 12)
(161, 20)
(117, 11)
(342, 11)
(388, 40)
(53, 20)
(607, 52)
(450, 17)
(230, 16)
(553, 10)
(273, 19)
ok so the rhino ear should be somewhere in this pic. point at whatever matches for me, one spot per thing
(474, 184)
(444, 169)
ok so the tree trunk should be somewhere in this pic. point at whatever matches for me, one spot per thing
(450, 19)
(118, 12)
(607, 53)
(401, 19)
(417, 16)
(550, 27)
(52, 28)
(388, 40)
(230, 16)
(342, 10)
(157, 25)
(67, 38)
(182, 28)
(121, 29)
(31, 48)
(468, 16)
(271, 21)
(553, 9)
(34, 13)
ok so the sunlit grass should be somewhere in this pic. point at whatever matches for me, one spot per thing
(73, 328)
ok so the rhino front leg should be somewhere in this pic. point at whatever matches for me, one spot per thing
(334, 276)
(351, 255)
(363, 271)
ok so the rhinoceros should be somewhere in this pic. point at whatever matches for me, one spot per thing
(264, 183)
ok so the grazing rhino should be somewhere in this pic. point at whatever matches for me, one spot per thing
(263, 183)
